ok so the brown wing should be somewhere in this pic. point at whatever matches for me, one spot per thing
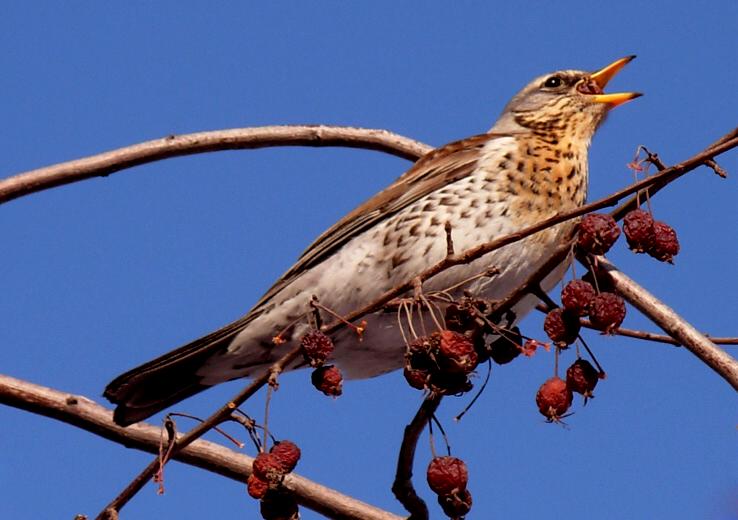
(437, 168)
(168, 379)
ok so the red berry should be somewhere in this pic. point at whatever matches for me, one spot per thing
(576, 297)
(256, 487)
(607, 312)
(597, 233)
(456, 505)
(638, 229)
(507, 347)
(664, 245)
(287, 453)
(562, 327)
(447, 475)
(328, 379)
(316, 348)
(582, 377)
(456, 353)
(554, 398)
(279, 504)
(416, 377)
(449, 383)
(267, 467)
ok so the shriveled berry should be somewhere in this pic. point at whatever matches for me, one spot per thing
(267, 467)
(424, 345)
(416, 377)
(461, 318)
(607, 312)
(597, 233)
(456, 353)
(316, 347)
(446, 475)
(328, 379)
(665, 244)
(279, 504)
(638, 229)
(554, 398)
(256, 487)
(576, 297)
(562, 327)
(287, 453)
(449, 383)
(582, 377)
(456, 505)
(507, 347)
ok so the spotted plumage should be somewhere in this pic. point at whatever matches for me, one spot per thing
(530, 166)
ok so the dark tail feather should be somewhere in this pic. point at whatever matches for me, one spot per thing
(153, 386)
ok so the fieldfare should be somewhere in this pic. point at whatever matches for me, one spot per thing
(531, 165)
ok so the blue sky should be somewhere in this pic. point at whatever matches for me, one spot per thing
(102, 275)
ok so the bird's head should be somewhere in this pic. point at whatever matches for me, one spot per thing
(568, 102)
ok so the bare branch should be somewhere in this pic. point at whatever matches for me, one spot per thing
(106, 163)
(88, 415)
(671, 323)
(198, 431)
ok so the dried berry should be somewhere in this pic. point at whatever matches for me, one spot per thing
(554, 398)
(328, 379)
(562, 327)
(316, 348)
(597, 233)
(582, 377)
(461, 317)
(638, 229)
(576, 297)
(449, 383)
(287, 453)
(506, 348)
(424, 345)
(607, 312)
(456, 505)
(664, 245)
(456, 353)
(267, 467)
(279, 504)
(416, 377)
(446, 475)
(256, 487)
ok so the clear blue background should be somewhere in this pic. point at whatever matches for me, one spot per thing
(102, 275)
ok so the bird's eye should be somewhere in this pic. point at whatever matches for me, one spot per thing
(553, 82)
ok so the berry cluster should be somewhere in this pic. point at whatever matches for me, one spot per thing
(554, 397)
(441, 362)
(448, 478)
(606, 312)
(269, 469)
(598, 232)
(317, 348)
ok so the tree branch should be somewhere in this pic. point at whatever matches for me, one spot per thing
(671, 323)
(403, 485)
(106, 163)
(90, 416)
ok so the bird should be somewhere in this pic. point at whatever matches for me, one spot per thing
(531, 164)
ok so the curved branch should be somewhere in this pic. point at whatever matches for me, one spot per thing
(671, 323)
(188, 144)
(88, 415)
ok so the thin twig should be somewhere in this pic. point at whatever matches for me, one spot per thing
(403, 484)
(198, 431)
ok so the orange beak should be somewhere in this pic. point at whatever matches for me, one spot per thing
(603, 76)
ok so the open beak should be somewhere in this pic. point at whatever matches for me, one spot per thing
(603, 76)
